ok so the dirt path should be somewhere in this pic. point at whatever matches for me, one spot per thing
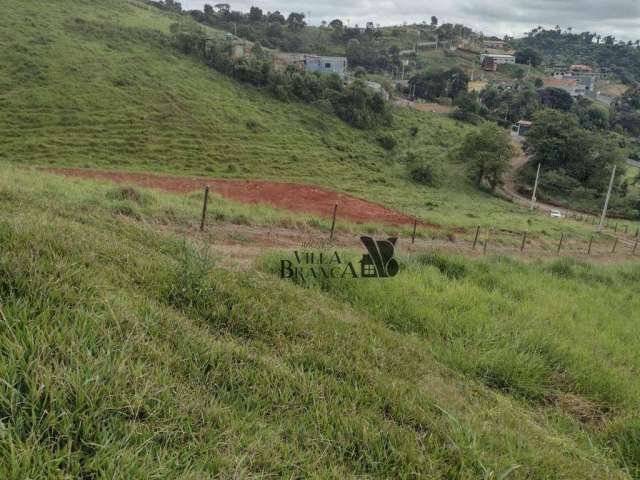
(510, 189)
(290, 196)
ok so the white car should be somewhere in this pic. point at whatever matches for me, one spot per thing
(556, 214)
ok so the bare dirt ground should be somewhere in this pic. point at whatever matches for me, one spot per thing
(290, 196)
(239, 246)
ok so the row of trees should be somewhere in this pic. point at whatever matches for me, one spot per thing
(355, 104)
(564, 46)
(577, 162)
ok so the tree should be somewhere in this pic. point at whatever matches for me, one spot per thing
(556, 98)
(529, 56)
(487, 152)
(276, 17)
(590, 115)
(222, 8)
(625, 111)
(558, 143)
(255, 14)
(337, 23)
(295, 21)
(432, 85)
(208, 11)
(434, 21)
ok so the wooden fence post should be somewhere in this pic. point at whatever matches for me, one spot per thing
(475, 240)
(524, 239)
(615, 244)
(635, 246)
(561, 239)
(486, 242)
(590, 243)
(413, 236)
(333, 223)
(204, 208)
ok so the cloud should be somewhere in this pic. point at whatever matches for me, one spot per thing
(620, 18)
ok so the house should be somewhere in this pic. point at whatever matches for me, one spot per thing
(326, 65)
(497, 58)
(571, 86)
(489, 64)
(497, 44)
(312, 63)
(521, 128)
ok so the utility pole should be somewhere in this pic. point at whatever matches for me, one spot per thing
(535, 189)
(606, 202)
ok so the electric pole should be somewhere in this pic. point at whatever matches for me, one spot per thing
(535, 189)
(606, 202)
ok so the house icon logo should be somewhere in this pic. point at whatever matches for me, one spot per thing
(379, 262)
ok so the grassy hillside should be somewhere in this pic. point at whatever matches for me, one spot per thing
(126, 351)
(96, 84)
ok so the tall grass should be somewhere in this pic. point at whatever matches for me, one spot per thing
(126, 352)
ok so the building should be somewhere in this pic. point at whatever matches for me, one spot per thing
(571, 86)
(521, 128)
(581, 68)
(497, 44)
(497, 58)
(312, 63)
(326, 65)
(489, 64)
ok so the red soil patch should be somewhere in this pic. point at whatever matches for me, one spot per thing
(290, 196)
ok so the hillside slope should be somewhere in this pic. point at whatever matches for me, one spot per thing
(96, 84)
(126, 351)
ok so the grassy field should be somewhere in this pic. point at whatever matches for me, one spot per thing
(96, 85)
(126, 351)
(132, 347)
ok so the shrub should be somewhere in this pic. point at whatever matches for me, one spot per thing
(129, 194)
(451, 267)
(387, 141)
(424, 172)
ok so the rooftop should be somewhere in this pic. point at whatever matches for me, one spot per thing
(560, 82)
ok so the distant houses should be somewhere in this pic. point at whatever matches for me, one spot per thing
(241, 48)
(497, 44)
(490, 61)
(571, 86)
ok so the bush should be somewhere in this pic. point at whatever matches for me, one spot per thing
(387, 141)
(425, 172)
(451, 267)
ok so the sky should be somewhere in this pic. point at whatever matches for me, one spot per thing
(620, 18)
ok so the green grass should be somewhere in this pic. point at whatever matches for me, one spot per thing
(127, 352)
(96, 85)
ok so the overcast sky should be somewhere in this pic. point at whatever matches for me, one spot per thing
(493, 17)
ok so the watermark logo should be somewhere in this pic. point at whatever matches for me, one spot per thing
(378, 262)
